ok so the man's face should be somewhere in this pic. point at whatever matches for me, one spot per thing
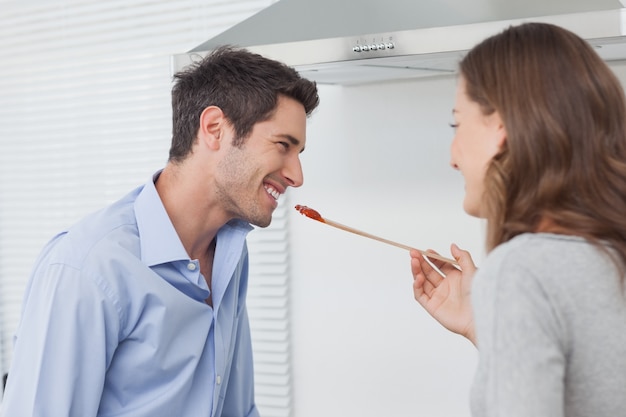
(251, 178)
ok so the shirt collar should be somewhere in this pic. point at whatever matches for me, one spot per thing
(159, 240)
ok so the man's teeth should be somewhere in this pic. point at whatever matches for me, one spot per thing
(271, 191)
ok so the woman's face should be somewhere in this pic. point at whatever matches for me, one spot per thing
(477, 139)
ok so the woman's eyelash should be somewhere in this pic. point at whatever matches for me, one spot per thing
(453, 125)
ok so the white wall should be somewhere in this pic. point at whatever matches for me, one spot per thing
(377, 159)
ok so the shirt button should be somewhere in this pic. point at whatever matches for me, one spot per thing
(218, 379)
(191, 266)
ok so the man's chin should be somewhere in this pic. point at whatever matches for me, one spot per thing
(261, 222)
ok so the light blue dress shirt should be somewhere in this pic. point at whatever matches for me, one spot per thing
(114, 322)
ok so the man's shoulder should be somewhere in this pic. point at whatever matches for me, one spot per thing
(105, 234)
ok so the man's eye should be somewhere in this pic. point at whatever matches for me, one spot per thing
(284, 144)
(453, 125)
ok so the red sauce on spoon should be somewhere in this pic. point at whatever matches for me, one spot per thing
(309, 212)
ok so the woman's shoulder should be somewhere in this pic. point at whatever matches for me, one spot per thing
(541, 245)
(547, 258)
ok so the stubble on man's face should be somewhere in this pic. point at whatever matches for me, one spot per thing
(239, 187)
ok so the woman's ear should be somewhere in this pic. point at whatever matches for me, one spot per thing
(500, 135)
(212, 125)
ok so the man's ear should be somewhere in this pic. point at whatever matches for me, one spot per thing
(212, 127)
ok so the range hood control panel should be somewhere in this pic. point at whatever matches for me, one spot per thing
(373, 47)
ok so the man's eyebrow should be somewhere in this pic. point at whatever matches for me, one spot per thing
(294, 141)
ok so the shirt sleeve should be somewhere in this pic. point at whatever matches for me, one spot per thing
(522, 364)
(62, 346)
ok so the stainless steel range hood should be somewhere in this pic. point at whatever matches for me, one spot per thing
(354, 42)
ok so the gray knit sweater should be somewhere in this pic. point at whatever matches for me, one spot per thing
(550, 314)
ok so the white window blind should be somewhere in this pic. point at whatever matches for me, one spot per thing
(85, 117)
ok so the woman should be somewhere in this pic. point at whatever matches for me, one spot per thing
(540, 139)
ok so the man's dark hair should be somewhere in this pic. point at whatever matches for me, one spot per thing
(244, 85)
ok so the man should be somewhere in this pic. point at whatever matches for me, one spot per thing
(139, 309)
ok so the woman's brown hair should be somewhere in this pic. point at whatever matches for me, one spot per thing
(564, 159)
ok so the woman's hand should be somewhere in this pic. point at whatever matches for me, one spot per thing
(446, 298)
